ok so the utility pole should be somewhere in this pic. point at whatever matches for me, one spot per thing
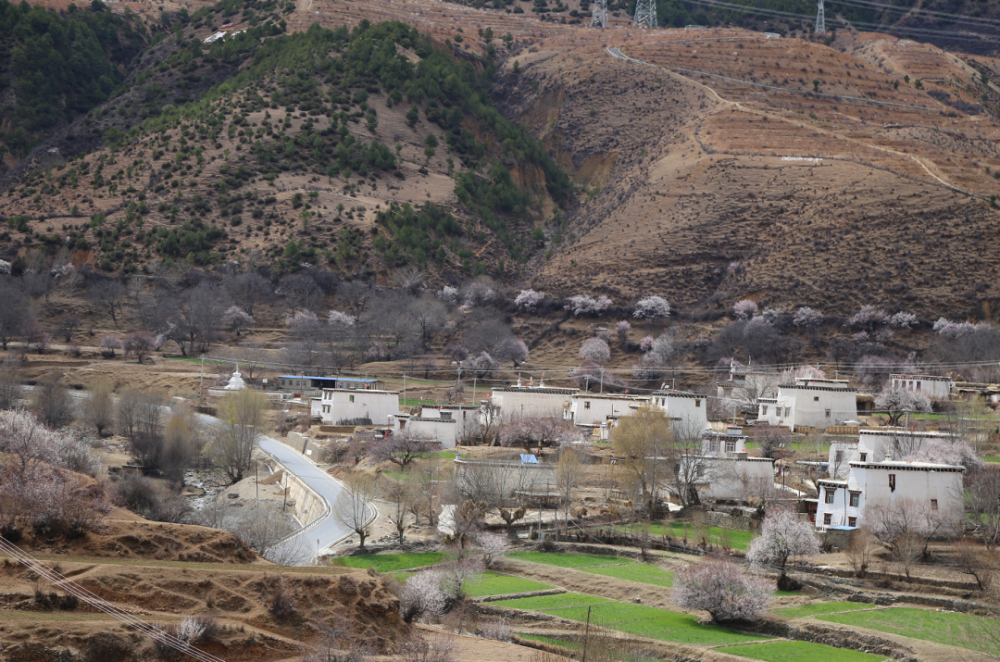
(404, 390)
(602, 380)
(586, 636)
(474, 378)
(599, 16)
(201, 384)
(820, 19)
(645, 14)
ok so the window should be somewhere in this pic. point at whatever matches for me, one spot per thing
(788, 412)
(715, 446)
(864, 457)
(446, 416)
(918, 386)
(326, 409)
(828, 413)
(852, 521)
(839, 457)
(829, 495)
(701, 470)
(763, 410)
(351, 398)
(586, 404)
(697, 403)
(855, 499)
(730, 446)
(815, 398)
(827, 519)
(933, 504)
(892, 482)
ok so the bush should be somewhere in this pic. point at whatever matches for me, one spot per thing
(283, 605)
(106, 647)
(719, 587)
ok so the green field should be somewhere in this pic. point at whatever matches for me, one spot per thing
(737, 539)
(568, 560)
(553, 602)
(572, 645)
(972, 632)
(820, 608)
(636, 572)
(634, 619)
(390, 562)
(798, 651)
(494, 584)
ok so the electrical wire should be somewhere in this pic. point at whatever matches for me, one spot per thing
(958, 18)
(102, 605)
(719, 4)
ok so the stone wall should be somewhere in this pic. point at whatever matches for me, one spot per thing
(727, 521)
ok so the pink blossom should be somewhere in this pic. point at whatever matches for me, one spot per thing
(719, 587)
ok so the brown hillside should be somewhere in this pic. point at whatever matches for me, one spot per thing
(703, 198)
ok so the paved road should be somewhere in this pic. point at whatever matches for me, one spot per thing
(306, 544)
(301, 547)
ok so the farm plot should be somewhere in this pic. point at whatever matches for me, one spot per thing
(568, 560)
(493, 584)
(820, 608)
(634, 619)
(796, 651)
(635, 572)
(972, 632)
(391, 562)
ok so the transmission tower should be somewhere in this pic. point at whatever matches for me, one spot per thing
(645, 14)
(599, 14)
(820, 19)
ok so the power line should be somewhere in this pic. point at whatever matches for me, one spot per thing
(958, 18)
(102, 605)
(875, 26)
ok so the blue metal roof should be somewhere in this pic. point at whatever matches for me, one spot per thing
(527, 458)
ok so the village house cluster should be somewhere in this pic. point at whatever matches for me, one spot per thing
(864, 473)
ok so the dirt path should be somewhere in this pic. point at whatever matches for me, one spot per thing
(618, 54)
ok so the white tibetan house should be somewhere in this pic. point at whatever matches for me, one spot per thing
(878, 445)
(935, 388)
(934, 489)
(810, 403)
(340, 404)
(443, 432)
(521, 401)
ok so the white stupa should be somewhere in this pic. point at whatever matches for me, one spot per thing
(236, 382)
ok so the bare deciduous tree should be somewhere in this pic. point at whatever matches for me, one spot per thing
(14, 312)
(109, 297)
(248, 289)
(353, 507)
(398, 494)
(642, 440)
(53, 404)
(100, 408)
(244, 418)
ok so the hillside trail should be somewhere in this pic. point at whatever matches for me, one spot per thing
(724, 104)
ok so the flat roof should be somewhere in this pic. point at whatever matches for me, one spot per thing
(902, 432)
(810, 387)
(921, 377)
(354, 391)
(679, 394)
(908, 466)
(536, 389)
(339, 379)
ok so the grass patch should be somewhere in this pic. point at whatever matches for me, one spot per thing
(993, 458)
(959, 630)
(819, 608)
(686, 530)
(556, 602)
(636, 572)
(568, 560)
(634, 619)
(390, 562)
(438, 455)
(572, 645)
(493, 584)
(796, 651)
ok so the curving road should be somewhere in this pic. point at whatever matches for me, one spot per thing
(304, 545)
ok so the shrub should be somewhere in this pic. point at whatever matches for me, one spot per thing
(494, 546)
(528, 300)
(596, 350)
(744, 309)
(723, 590)
(583, 304)
(653, 307)
(107, 647)
(283, 605)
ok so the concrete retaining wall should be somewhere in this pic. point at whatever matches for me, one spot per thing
(306, 505)
(727, 521)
